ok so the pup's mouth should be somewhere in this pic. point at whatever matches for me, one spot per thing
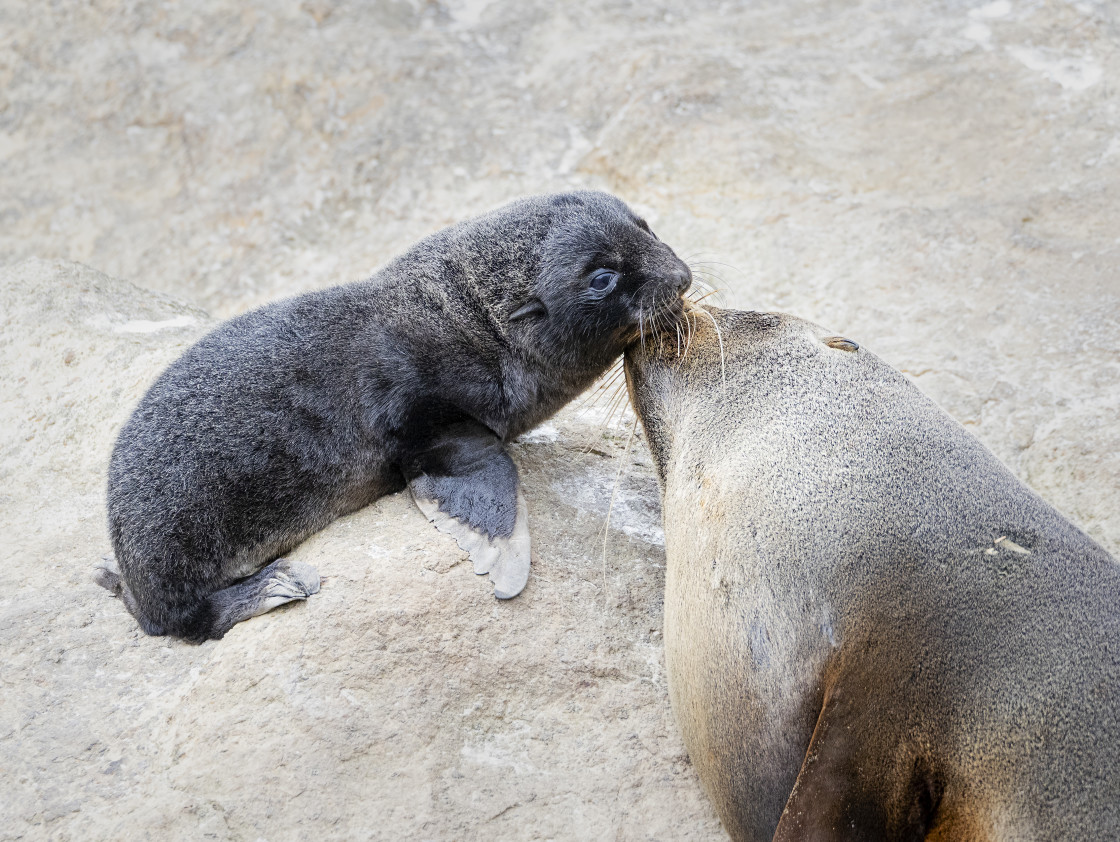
(659, 318)
(674, 308)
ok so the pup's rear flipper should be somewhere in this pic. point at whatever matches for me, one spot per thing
(211, 617)
(467, 486)
(108, 575)
(280, 582)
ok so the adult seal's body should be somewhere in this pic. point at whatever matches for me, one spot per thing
(872, 629)
(285, 418)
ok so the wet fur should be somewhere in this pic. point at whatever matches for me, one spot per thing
(289, 416)
(873, 630)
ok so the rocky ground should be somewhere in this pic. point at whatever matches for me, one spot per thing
(940, 181)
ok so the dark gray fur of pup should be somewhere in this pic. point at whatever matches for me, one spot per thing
(289, 416)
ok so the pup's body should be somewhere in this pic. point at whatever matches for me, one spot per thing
(873, 630)
(287, 417)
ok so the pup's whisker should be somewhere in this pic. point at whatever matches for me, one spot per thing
(706, 295)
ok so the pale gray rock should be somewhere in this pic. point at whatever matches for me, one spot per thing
(939, 181)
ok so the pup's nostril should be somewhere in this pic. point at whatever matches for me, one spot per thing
(684, 279)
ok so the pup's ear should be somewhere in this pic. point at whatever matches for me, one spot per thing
(532, 307)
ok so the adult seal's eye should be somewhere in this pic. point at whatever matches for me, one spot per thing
(602, 281)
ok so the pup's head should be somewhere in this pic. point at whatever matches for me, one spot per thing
(601, 277)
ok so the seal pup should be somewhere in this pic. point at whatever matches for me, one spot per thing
(873, 630)
(289, 416)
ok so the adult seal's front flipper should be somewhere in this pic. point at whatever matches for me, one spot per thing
(466, 484)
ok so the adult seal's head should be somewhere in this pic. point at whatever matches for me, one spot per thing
(289, 416)
(872, 629)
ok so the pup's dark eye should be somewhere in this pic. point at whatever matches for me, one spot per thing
(603, 280)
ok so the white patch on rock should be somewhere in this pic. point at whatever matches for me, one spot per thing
(592, 493)
(376, 551)
(149, 326)
(861, 73)
(1073, 74)
(468, 13)
(578, 146)
(498, 751)
(996, 9)
(980, 33)
(545, 433)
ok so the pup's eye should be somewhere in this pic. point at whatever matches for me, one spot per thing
(603, 280)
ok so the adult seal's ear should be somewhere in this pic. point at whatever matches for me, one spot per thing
(467, 486)
(532, 307)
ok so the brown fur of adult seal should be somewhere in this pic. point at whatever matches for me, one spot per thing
(873, 630)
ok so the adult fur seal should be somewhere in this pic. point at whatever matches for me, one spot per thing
(287, 417)
(873, 630)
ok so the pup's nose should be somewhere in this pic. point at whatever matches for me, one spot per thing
(683, 279)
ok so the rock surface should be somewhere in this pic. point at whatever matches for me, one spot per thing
(940, 181)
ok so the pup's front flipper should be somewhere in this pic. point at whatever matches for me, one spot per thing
(466, 484)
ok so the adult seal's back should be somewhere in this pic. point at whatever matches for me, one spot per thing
(872, 629)
(289, 416)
